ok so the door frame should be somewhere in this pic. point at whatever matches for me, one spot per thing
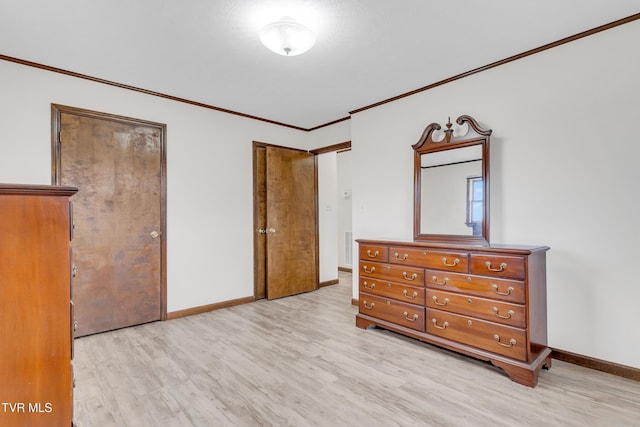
(259, 278)
(56, 126)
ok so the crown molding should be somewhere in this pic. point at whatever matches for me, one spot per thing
(505, 61)
(144, 91)
(386, 101)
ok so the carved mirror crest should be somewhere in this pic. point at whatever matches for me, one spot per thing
(451, 183)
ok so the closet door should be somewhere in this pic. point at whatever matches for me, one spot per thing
(118, 165)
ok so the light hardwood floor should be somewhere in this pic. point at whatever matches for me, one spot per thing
(300, 361)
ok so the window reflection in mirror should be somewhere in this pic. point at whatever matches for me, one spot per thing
(451, 191)
(475, 200)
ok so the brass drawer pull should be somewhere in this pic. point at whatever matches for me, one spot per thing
(410, 319)
(435, 300)
(375, 254)
(434, 279)
(404, 257)
(414, 276)
(367, 286)
(406, 294)
(508, 316)
(455, 262)
(501, 268)
(509, 290)
(435, 323)
(367, 271)
(512, 341)
(368, 307)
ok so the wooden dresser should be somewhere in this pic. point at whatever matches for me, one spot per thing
(36, 327)
(485, 302)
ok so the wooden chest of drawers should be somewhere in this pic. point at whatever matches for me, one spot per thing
(485, 302)
(36, 315)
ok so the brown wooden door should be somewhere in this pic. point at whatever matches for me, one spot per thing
(291, 226)
(260, 220)
(117, 165)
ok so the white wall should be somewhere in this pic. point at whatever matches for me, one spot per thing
(328, 135)
(209, 172)
(327, 215)
(564, 173)
(344, 206)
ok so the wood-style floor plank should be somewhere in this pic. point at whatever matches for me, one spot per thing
(300, 361)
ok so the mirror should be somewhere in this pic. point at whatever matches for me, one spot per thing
(451, 183)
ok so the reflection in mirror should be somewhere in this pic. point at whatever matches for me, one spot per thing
(475, 201)
(451, 191)
(451, 183)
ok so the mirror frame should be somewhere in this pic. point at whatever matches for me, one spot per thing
(426, 144)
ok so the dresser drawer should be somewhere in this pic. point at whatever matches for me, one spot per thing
(394, 273)
(401, 313)
(374, 253)
(489, 336)
(487, 309)
(429, 258)
(488, 287)
(401, 292)
(498, 266)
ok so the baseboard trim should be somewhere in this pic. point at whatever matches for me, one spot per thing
(209, 307)
(597, 364)
(345, 269)
(329, 283)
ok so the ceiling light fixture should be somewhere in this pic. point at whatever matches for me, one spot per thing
(287, 37)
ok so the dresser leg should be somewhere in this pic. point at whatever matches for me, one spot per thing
(363, 323)
(518, 374)
(526, 374)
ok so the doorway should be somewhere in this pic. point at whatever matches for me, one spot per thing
(285, 221)
(344, 210)
(334, 210)
(119, 246)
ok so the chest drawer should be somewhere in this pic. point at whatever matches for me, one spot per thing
(488, 287)
(500, 339)
(487, 309)
(429, 258)
(394, 273)
(401, 292)
(374, 253)
(498, 266)
(401, 313)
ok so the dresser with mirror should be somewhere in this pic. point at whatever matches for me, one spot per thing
(450, 286)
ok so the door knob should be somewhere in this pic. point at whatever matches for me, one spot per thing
(154, 234)
(268, 230)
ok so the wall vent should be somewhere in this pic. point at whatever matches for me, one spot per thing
(348, 248)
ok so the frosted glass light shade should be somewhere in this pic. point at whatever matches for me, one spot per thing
(287, 37)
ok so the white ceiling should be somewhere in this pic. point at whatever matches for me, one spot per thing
(208, 51)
